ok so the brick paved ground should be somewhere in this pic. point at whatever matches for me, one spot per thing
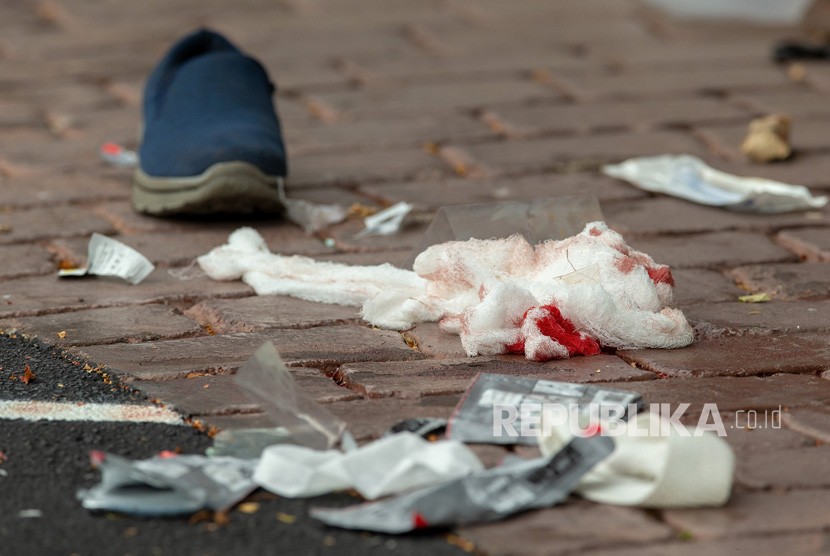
(438, 102)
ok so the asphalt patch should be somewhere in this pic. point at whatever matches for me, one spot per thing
(57, 376)
(45, 463)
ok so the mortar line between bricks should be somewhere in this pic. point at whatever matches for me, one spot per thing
(190, 298)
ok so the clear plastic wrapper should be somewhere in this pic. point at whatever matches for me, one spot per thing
(311, 217)
(267, 380)
(168, 485)
(491, 397)
(488, 495)
(247, 443)
(536, 221)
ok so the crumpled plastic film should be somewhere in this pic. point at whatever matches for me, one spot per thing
(162, 486)
(515, 486)
(267, 380)
(390, 465)
(688, 177)
(548, 301)
(666, 469)
(536, 221)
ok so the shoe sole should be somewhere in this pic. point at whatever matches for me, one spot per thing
(226, 187)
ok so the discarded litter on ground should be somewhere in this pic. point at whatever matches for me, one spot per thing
(768, 139)
(654, 465)
(537, 221)
(425, 427)
(386, 222)
(517, 485)
(789, 51)
(119, 156)
(755, 298)
(519, 402)
(163, 486)
(387, 466)
(549, 301)
(247, 443)
(267, 380)
(311, 217)
(689, 178)
(109, 257)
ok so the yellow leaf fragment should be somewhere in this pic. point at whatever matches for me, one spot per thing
(249, 507)
(755, 298)
(286, 518)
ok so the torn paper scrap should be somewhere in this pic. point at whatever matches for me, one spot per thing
(689, 178)
(654, 465)
(109, 257)
(162, 486)
(515, 486)
(549, 301)
(390, 465)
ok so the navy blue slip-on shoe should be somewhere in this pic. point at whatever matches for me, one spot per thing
(212, 140)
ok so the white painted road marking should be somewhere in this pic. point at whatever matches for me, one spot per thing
(81, 411)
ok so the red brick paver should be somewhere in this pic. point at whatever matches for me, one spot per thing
(442, 102)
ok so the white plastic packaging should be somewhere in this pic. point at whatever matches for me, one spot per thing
(689, 178)
(393, 464)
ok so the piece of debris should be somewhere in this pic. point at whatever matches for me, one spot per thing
(657, 463)
(163, 486)
(800, 50)
(488, 495)
(31, 513)
(62, 334)
(361, 211)
(537, 221)
(491, 397)
(768, 139)
(755, 298)
(283, 517)
(386, 222)
(426, 427)
(496, 294)
(311, 217)
(248, 507)
(267, 380)
(390, 465)
(117, 155)
(247, 443)
(689, 178)
(109, 257)
(28, 375)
